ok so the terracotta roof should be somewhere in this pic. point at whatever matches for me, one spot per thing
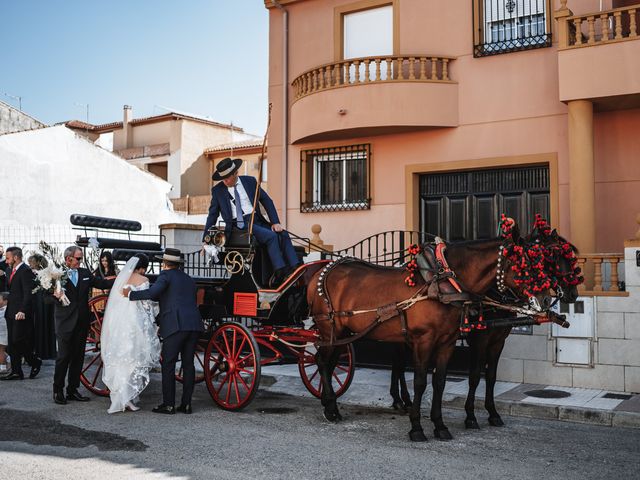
(109, 127)
(80, 125)
(243, 145)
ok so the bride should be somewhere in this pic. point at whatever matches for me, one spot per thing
(130, 344)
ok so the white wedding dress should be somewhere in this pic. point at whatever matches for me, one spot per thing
(130, 346)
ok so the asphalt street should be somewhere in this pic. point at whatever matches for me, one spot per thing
(282, 436)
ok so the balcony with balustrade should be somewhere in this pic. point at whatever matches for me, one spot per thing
(598, 56)
(373, 95)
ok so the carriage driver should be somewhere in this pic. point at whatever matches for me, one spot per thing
(233, 198)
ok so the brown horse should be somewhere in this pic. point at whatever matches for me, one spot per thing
(486, 345)
(353, 297)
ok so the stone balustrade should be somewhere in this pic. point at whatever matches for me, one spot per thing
(192, 205)
(618, 24)
(366, 70)
(606, 277)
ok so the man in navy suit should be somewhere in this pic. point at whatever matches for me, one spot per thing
(180, 326)
(233, 198)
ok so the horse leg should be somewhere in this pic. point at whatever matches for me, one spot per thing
(439, 380)
(476, 362)
(398, 389)
(327, 359)
(490, 379)
(421, 361)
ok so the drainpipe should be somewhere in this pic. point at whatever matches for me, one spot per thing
(285, 109)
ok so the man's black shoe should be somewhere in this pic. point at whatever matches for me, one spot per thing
(58, 397)
(13, 376)
(185, 409)
(162, 408)
(278, 277)
(76, 397)
(35, 368)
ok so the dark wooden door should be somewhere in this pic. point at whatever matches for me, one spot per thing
(459, 206)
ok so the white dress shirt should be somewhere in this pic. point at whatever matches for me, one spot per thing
(245, 202)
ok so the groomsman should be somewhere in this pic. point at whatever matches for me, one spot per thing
(19, 316)
(72, 324)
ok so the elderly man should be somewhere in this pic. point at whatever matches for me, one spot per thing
(233, 198)
(72, 324)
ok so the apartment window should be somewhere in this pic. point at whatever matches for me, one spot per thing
(503, 26)
(366, 29)
(335, 179)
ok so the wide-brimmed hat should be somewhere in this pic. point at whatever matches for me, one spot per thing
(226, 168)
(171, 255)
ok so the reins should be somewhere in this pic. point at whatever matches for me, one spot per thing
(398, 309)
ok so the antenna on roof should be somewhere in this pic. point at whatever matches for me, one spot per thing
(86, 105)
(15, 97)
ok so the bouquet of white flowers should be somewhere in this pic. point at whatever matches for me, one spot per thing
(52, 279)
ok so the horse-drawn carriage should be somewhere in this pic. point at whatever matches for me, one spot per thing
(249, 325)
(246, 325)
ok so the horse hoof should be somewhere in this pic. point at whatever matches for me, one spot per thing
(398, 405)
(472, 424)
(417, 436)
(496, 422)
(442, 434)
(333, 417)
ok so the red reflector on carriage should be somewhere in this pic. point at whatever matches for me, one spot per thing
(245, 304)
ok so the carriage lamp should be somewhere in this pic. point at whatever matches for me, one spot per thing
(637, 258)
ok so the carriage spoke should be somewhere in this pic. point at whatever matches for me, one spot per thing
(314, 375)
(235, 386)
(233, 345)
(93, 384)
(226, 342)
(239, 351)
(243, 382)
(224, 380)
(338, 379)
(340, 367)
(242, 360)
(228, 391)
(91, 363)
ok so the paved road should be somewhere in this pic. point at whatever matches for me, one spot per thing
(280, 436)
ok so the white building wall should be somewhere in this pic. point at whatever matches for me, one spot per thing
(51, 173)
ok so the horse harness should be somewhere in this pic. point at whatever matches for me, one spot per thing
(440, 284)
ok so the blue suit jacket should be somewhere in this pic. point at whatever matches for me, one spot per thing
(176, 292)
(221, 203)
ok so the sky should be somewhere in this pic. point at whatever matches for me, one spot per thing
(206, 57)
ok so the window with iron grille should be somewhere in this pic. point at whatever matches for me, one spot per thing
(335, 179)
(503, 26)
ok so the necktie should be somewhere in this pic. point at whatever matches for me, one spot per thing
(13, 272)
(239, 216)
(73, 276)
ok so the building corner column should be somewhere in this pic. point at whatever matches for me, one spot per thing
(582, 176)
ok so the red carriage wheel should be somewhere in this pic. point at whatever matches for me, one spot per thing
(198, 361)
(342, 375)
(232, 366)
(91, 375)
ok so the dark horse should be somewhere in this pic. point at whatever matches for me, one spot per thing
(354, 298)
(486, 345)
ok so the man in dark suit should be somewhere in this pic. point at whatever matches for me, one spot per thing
(19, 316)
(72, 324)
(3, 267)
(180, 326)
(233, 198)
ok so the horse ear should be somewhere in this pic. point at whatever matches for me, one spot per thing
(554, 234)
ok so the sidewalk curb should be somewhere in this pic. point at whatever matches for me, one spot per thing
(562, 413)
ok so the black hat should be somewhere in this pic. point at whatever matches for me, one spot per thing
(226, 168)
(171, 255)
